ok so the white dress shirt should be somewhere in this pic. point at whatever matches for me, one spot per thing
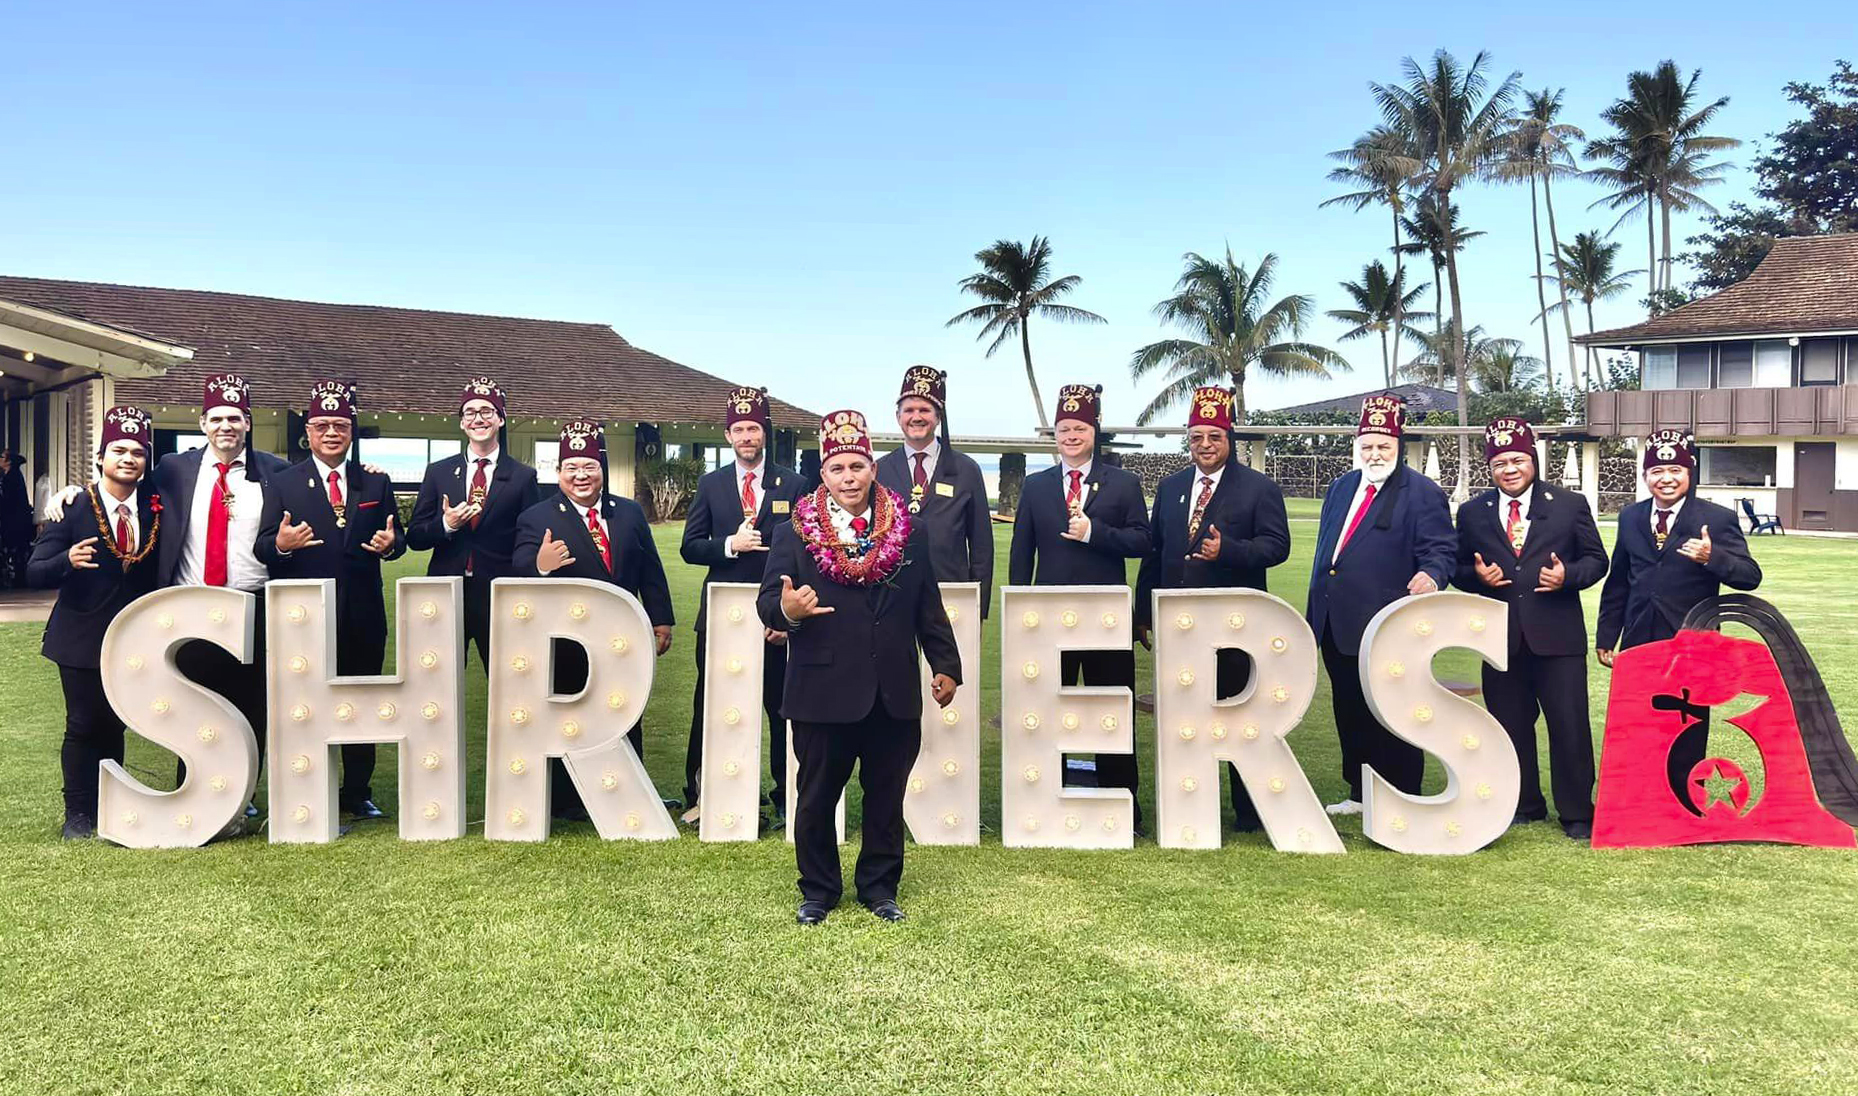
(741, 477)
(1504, 498)
(243, 571)
(1361, 494)
(470, 475)
(113, 509)
(1671, 522)
(341, 478)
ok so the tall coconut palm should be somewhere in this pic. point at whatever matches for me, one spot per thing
(1499, 365)
(1015, 280)
(1657, 157)
(1427, 229)
(1540, 150)
(1234, 329)
(1383, 305)
(1457, 122)
(1586, 270)
(1379, 164)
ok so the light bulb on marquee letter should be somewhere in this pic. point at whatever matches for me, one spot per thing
(1283, 657)
(335, 710)
(1053, 816)
(956, 796)
(1476, 752)
(526, 717)
(209, 734)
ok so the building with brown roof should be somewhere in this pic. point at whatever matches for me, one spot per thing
(1765, 374)
(69, 350)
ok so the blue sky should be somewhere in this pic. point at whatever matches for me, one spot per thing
(788, 194)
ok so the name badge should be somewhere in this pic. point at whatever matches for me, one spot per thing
(947, 489)
(778, 506)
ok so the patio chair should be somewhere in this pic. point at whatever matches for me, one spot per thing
(1760, 523)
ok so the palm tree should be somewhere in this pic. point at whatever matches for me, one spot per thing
(1383, 305)
(1015, 281)
(1224, 306)
(1499, 365)
(1539, 149)
(1380, 163)
(1586, 267)
(1457, 124)
(1657, 156)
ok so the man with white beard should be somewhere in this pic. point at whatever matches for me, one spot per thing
(1386, 532)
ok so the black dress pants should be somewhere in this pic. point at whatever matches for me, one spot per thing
(1107, 668)
(773, 678)
(570, 676)
(1364, 740)
(1554, 686)
(1233, 669)
(358, 654)
(884, 748)
(93, 733)
(242, 683)
(477, 616)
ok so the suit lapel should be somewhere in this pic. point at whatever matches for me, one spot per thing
(318, 490)
(1223, 490)
(1091, 483)
(1685, 526)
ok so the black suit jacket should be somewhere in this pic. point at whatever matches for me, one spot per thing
(954, 513)
(636, 566)
(840, 664)
(1408, 529)
(1254, 534)
(361, 608)
(715, 515)
(1560, 524)
(512, 490)
(89, 599)
(1118, 529)
(1650, 590)
(176, 477)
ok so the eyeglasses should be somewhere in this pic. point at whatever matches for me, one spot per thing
(331, 426)
(484, 415)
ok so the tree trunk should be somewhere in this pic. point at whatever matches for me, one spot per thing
(1541, 294)
(1399, 312)
(1237, 376)
(1593, 365)
(1567, 321)
(1651, 256)
(1458, 363)
(1438, 321)
(1032, 380)
(1386, 361)
(1665, 213)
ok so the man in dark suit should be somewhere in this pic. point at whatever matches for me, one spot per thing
(16, 518)
(99, 557)
(1215, 523)
(1535, 549)
(1385, 532)
(1673, 551)
(583, 532)
(328, 517)
(946, 495)
(849, 580)
(1078, 523)
(727, 529)
(468, 504)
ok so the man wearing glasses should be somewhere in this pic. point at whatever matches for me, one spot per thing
(331, 518)
(468, 504)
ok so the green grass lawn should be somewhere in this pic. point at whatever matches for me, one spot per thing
(372, 965)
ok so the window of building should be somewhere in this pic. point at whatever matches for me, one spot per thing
(405, 459)
(1735, 365)
(1773, 364)
(1819, 361)
(1737, 465)
(1660, 368)
(1693, 366)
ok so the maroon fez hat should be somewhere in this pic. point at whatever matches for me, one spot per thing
(748, 405)
(483, 388)
(226, 390)
(1669, 447)
(925, 382)
(843, 432)
(583, 438)
(1080, 403)
(1382, 414)
(1210, 407)
(1508, 435)
(331, 400)
(127, 424)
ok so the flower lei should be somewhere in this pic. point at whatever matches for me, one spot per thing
(868, 560)
(154, 530)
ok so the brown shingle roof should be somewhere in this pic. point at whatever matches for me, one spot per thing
(1419, 398)
(404, 359)
(1806, 284)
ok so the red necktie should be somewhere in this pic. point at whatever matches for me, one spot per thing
(599, 535)
(1514, 527)
(859, 525)
(125, 541)
(749, 505)
(1664, 526)
(480, 485)
(1206, 496)
(335, 491)
(218, 528)
(922, 475)
(1354, 522)
(1077, 489)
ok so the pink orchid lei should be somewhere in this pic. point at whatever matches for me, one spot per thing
(870, 560)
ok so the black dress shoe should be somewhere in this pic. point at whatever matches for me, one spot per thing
(1522, 819)
(673, 805)
(365, 811)
(575, 813)
(1579, 831)
(885, 909)
(79, 827)
(811, 913)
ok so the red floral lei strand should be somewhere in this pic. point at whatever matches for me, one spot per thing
(872, 560)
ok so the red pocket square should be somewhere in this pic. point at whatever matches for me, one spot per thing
(370, 505)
